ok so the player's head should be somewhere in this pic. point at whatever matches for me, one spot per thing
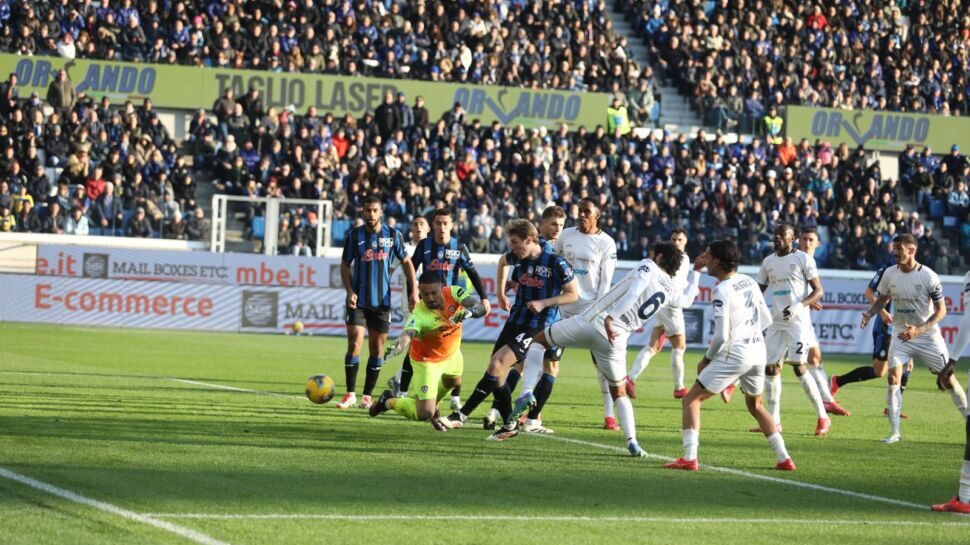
(784, 237)
(723, 257)
(442, 221)
(553, 222)
(679, 237)
(668, 256)
(904, 248)
(808, 240)
(371, 212)
(589, 215)
(429, 290)
(419, 228)
(522, 237)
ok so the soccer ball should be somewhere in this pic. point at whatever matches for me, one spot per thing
(297, 327)
(320, 389)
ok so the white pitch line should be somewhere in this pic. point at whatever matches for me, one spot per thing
(235, 389)
(737, 472)
(749, 475)
(182, 531)
(547, 518)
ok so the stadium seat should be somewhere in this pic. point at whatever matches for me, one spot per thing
(340, 228)
(937, 209)
(259, 227)
(951, 224)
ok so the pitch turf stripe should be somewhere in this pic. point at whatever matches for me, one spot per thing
(182, 531)
(235, 389)
(549, 518)
(749, 475)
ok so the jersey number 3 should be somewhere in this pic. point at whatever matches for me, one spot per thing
(651, 305)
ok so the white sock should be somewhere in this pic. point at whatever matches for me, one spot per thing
(607, 398)
(959, 400)
(894, 402)
(456, 399)
(822, 381)
(624, 413)
(773, 397)
(677, 367)
(778, 445)
(641, 362)
(403, 393)
(532, 368)
(811, 390)
(691, 441)
(965, 482)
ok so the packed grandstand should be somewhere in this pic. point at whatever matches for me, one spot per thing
(79, 163)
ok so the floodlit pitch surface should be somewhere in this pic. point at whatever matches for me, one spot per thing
(125, 436)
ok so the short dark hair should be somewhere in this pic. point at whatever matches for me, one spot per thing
(371, 200)
(906, 238)
(727, 252)
(429, 277)
(785, 226)
(553, 211)
(678, 231)
(443, 212)
(667, 256)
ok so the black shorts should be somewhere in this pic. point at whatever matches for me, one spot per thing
(880, 345)
(518, 338)
(378, 320)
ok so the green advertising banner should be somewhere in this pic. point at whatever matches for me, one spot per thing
(182, 87)
(883, 131)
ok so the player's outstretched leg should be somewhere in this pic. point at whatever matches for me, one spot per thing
(811, 390)
(512, 379)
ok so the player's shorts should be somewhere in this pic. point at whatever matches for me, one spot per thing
(378, 320)
(881, 341)
(811, 339)
(518, 338)
(672, 320)
(929, 348)
(748, 370)
(788, 345)
(610, 359)
(427, 375)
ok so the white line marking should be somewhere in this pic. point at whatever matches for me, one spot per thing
(187, 533)
(235, 389)
(749, 475)
(736, 472)
(548, 518)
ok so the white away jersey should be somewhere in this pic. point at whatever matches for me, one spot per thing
(787, 279)
(593, 258)
(680, 278)
(741, 313)
(913, 295)
(639, 295)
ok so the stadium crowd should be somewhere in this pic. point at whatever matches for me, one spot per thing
(532, 43)
(92, 166)
(738, 59)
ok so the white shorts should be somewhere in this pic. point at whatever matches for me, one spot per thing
(577, 332)
(719, 374)
(672, 320)
(811, 339)
(929, 348)
(788, 345)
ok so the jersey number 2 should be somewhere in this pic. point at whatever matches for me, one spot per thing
(651, 305)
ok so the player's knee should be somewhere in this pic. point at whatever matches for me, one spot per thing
(772, 370)
(799, 370)
(880, 368)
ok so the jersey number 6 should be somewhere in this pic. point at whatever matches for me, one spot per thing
(651, 305)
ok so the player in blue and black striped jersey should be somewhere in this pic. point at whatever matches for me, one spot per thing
(442, 254)
(544, 281)
(366, 272)
(882, 334)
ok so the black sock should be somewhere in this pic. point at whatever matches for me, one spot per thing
(351, 364)
(406, 373)
(503, 398)
(456, 391)
(484, 387)
(512, 379)
(903, 381)
(858, 374)
(373, 373)
(542, 393)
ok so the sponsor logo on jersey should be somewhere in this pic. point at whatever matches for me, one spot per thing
(531, 281)
(436, 265)
(371, 255)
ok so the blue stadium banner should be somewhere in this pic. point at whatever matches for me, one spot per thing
(883, 131)
(181, 87)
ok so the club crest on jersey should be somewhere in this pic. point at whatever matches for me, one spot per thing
(793, 267)
(919, 287)
(441, 254)
(452, 309)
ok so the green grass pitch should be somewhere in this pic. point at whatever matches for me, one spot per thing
(99, 413)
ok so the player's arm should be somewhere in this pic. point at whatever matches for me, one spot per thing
(410, 278)
(501, 274)
(962, 340)
(569, 294)
(401, 345)
(880, 303)
(474, 277)
(471, 306)
(939, 312)
(345, 261)
(871, 295)
(607, 268)
(721, 325)
(638, 283)
(811, 299)
(686, 298)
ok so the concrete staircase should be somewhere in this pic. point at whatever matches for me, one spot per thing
(675, 112)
